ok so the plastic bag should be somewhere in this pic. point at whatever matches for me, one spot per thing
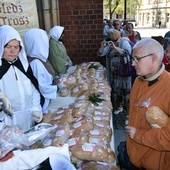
(145, 103)
(12, 138)
(37, 132)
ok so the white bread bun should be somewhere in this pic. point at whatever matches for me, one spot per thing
(61, 134)
(60, 80)
(62, 118)
(101, 119)
(86, 123)
(76, 90)
(156, 117)
(78, 133)
(71, 80)
(97, 132)
(80, 108)
(64, 91)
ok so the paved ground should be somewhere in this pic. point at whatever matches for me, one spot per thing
(148, 32)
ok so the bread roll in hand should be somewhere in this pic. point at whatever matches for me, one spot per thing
(156, 117)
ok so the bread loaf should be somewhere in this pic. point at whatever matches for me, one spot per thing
(78, 132)
(61, 135)
(65, 80)
(89, 151)
(76, 90)
(156, 117)
(77, 140)
(60, 81)
(80, 108)
(86, 123)
(70, 81)
(64, 91)
(101, 132)
(62, 118)
(101, 119)
(84, 95)
(99, 140)
(62, 110)
(92, 165)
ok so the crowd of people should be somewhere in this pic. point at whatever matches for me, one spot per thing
(147, 143)
(121, 38)
(120, 86)
(28, 69)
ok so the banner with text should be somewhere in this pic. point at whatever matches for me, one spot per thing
(20, 14)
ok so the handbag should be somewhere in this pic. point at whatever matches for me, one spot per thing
(125, 66)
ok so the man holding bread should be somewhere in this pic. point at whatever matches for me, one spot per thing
(148, 132)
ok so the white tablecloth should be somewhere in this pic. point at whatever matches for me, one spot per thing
(60, 102)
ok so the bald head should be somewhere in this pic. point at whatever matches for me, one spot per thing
(150, 46)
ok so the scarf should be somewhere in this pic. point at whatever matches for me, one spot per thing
(17, 63)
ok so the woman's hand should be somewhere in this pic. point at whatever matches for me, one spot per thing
(37, 115)
(70, 63)
(102, 46)
(112, 44)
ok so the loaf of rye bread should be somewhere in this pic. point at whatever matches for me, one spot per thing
(156, 117)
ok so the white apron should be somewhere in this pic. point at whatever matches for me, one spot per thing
(23, 119)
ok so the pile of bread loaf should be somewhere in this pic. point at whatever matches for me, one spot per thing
(85, 124)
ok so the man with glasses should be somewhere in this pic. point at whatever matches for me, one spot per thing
(148, 147)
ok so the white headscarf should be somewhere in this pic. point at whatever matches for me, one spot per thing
(37, 43)
(8, 33)
(56, 32)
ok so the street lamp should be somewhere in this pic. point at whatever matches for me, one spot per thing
(124, 9)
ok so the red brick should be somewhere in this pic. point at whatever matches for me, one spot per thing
(84, 27)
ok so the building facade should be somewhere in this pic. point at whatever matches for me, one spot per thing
(153, 12)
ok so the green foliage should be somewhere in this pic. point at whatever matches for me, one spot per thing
(95, 98)
(117, 6)
(40, 144)
(111, 5)
(94, 66)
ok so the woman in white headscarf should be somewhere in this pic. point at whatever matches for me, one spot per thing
(37, 49)
(17, 83)
(58, 56)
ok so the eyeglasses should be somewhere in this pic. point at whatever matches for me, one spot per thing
(137, 59)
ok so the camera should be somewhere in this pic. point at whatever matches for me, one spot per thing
(108, 43)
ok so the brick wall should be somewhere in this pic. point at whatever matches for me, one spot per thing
(83, 22)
